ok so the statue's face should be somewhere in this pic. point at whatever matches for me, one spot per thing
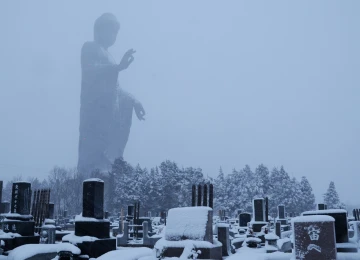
(108, 35)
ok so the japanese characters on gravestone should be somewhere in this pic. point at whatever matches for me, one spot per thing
(21, 198)
(314, 238)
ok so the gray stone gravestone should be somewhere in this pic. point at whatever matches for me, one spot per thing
(281, 211)
(314, 238)
(224, 239)
(1, 188)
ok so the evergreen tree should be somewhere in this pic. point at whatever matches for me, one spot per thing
(331, 197)
(307, 196)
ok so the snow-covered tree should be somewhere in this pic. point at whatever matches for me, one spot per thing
(331, 197)
(307, 196)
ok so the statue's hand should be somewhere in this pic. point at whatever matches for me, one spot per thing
(139, 110)
(126, 60)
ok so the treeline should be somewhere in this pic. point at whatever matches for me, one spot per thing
(168, 185)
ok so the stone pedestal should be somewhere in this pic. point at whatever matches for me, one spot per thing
(314, 238)
(47, 234)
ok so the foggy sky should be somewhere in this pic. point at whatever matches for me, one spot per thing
(224, 83)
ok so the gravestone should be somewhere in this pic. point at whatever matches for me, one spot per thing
(1, 189)
(321, 206)
(259, 209)
(51, 210)
(314, 238)
(341, 225)
(281, 211)
(211, 196)
(92, 223)
(189, 225)
(21, 198)
(19, 220)
(224, 239)
(278, 229)
(244, 219)
(5, 207)
(93, 198)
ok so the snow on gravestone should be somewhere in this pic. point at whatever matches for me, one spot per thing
(314, 237)
(194, 223)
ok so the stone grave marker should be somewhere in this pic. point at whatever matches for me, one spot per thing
(314, 238)
(278, 229)
(259, 209)
(244, 219)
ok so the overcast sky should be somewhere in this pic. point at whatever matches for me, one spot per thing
(224, 83)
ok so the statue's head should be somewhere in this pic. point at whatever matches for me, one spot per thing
(106, 28)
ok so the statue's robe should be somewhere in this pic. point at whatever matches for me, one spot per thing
(105, 111)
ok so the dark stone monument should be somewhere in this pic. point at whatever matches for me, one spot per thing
(224, 239)
(281, 212)
(51, 210)
(259, 209)
(1, 188)
(92, 222)
(5, 207)
(267, 209)
(193, 196)
(321, 206)
(205, 196)
(211, 196)
(278, 229)
(93, 198)
(19, 220)
(314, 238)
(199, 195)
(244, 219)
(21, 198)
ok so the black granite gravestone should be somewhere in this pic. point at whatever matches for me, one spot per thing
(51, 210)
(193, 196)
(211, 196)
(244, 219)
(321, 206)
(278, 229)
(314, 238)
(1, 188)
(259, 209)
(281, 211)
(199, 195)
(205, 196)
(93, 198)
(21, 198)
(5, 207)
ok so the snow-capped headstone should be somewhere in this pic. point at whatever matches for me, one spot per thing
(244, 219)
(224, 239)
(93, 198)
(259, 209)
(193, 223)
(21, 198)
(341, 223)
(314, 238)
